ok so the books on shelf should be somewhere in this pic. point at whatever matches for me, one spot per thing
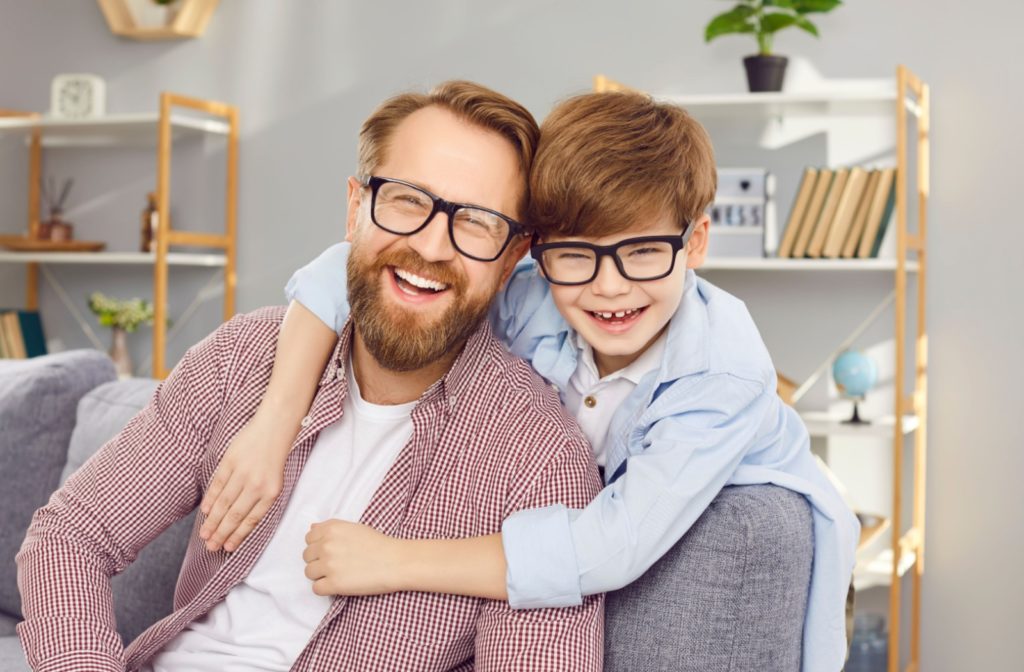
(839, 213)
(21, 334)
(882, 202)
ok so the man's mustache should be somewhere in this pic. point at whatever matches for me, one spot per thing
(408, 260)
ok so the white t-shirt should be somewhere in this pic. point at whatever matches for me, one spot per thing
(266, 621)
(593, 400)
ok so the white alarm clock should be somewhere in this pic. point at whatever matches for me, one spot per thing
(77, 96)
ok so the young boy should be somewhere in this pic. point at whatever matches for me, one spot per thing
(666, 374)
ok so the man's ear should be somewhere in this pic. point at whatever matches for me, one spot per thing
(697, 247)
(355, 200)
(517, 249)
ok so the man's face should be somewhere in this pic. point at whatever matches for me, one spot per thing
(414, 298)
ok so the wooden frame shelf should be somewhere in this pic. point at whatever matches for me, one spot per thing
(160, 130)
(191, 20)
(876, 112)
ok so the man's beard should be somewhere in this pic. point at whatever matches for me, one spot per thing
(403, 340)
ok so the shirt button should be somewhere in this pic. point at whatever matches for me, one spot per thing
(340, 373)
(590, 401)
(306, 421)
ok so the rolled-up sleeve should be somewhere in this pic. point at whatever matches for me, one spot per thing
(322, 286)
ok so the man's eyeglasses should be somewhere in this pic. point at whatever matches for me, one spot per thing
(577, 263)
(403, 209)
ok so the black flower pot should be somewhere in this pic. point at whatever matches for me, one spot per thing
(765, 73)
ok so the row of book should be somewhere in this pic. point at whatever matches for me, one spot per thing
(21, 334)
(840, 213)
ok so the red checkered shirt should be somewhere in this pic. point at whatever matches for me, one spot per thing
(488, 439)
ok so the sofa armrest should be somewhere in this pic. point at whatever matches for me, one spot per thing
(730, 596)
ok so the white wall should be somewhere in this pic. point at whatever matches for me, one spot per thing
(306, 73)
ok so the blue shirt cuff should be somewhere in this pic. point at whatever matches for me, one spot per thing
(542, 570)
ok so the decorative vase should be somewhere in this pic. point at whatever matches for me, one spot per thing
(119, 353)
(765, 73)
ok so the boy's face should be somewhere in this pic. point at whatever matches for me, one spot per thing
(649, 304)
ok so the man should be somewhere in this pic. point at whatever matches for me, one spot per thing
(422, 426)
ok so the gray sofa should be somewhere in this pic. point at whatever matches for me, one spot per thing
(731, 595)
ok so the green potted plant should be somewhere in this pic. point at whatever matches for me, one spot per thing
(762, 19)
(123, 317)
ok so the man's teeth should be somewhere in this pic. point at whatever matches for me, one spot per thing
(604, 315)
(417, 281)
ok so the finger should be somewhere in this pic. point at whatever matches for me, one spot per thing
(314, 534)
(248, 524)
(316, 570)
(220, 478)
(228, 495)
(233, 518)
(322, 587)
(311, 553)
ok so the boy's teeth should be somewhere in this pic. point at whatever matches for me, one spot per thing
(605, 315)
(417, 281)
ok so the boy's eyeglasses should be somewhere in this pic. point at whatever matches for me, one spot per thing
(577, 263)
(403, 209)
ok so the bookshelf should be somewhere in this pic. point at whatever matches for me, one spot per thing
(858, 123)
(158, 130)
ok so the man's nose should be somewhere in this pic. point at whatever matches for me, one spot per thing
(609, 282)
(433, 242)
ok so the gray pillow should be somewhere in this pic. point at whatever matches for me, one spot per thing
(144, 592)
(38, 398)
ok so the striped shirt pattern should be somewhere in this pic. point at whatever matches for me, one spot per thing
(489, 438)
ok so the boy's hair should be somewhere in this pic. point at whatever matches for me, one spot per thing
(610, 161)
(471, 102)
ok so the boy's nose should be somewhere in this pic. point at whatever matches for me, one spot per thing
(609, 282)
(432, 242)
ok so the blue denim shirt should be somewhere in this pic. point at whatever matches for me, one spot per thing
(708, 417)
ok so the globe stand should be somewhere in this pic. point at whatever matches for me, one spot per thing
(855, 419)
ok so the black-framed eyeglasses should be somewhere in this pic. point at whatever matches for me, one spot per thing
(642, 258)
(403, 209)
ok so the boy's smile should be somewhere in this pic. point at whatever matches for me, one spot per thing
(621, 318)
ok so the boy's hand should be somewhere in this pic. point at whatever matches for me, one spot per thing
(247, 481)
(344, 558)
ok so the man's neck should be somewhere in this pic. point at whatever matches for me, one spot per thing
(379, 385)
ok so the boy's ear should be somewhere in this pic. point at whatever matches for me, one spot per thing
(697, 247)
(355, 196)
(517, 249)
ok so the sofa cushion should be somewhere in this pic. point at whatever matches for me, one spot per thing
(729, 597)
(38, 398)
(7, 626)
(12, 655)
(144, 592)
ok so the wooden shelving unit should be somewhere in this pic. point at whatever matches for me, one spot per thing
(160, 130)
(190, 20)
(879, 110)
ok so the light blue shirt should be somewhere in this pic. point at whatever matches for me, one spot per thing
(708, 417)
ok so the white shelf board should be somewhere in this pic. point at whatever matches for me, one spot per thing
(869, 99)
(136, 258)
(112, 129)
(777, 264)
(876, 570)
(825, 424)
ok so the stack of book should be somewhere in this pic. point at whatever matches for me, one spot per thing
(21, 334)
(840, 213)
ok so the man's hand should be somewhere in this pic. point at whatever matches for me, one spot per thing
(247, 481)
(344, 558)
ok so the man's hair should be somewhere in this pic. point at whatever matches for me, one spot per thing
(468, 101)
(609, 161)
